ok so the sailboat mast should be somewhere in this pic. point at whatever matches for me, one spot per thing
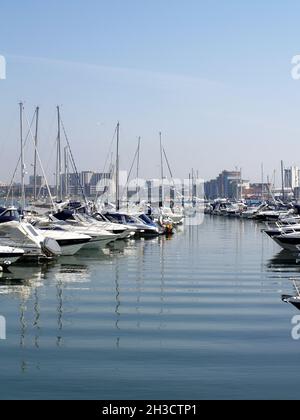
(282, 180)
(22, 157)
(193, 197)
(58, 164)
(117, 170)
(66, 158)
(35, 151)
(262, 182)
(162, 171)
(241, 185)
(138, 170)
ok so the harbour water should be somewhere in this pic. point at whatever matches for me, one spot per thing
(196, 316)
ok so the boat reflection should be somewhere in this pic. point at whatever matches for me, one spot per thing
(47, 306)
(284, 259)
(139, 253)
(286, 264)
(20, 281)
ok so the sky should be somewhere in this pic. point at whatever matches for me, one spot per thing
(213, 76)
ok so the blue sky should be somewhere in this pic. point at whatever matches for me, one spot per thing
(213, 76)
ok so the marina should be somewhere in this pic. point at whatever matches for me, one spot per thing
(149, 204)
(131, 291)
(145, 284)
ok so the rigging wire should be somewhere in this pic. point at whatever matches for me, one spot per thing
(131, 169)
(40, 162)
(10, 190)
(109, 154)
(73, 162)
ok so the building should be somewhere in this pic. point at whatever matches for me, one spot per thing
(85, 177)
(257, 191)
(40, 181)
(88, 180)
(227, 185)
(99, 183)
(292, 177)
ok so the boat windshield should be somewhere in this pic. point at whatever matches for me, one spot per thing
(146, 219)
(130, 219)
(32, 230)
(115, 218)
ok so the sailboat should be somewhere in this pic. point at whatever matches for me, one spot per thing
(15, 232)
(167, 215)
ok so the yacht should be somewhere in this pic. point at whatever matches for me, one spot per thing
(281, 229)
(69, 242)
(142, 229)
(175, 215)
(98, 221)
(99, 238)
(9, 255)
(288, 241)
(24, 236)
(293, 299)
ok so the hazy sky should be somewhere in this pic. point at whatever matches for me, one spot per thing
(213, 76)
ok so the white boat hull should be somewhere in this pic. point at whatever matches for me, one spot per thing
(70, 250)
(98, 243)
(10, 255)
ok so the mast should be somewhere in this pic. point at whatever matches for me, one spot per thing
(172, 191)
(262, 182)
(138, 170)
(282, 180)
(59, 160)
(22, 157)
(189, 186)
(117, 170)
(66, 164)
(241, 185)
(161, 201)
(193, 188)
(35, 151)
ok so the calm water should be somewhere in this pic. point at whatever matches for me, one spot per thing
(194, 317)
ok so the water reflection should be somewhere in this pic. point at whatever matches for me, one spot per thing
(49, 300)
(24, 282)
(140, 313)
(285, 266)
(284, 259)
(20, 281)
(133, 299)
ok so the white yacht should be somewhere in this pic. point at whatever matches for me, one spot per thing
(99, 238)
(25, 236)
(69, 242)
(98, 219)
(176, 215)
(9, 255)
